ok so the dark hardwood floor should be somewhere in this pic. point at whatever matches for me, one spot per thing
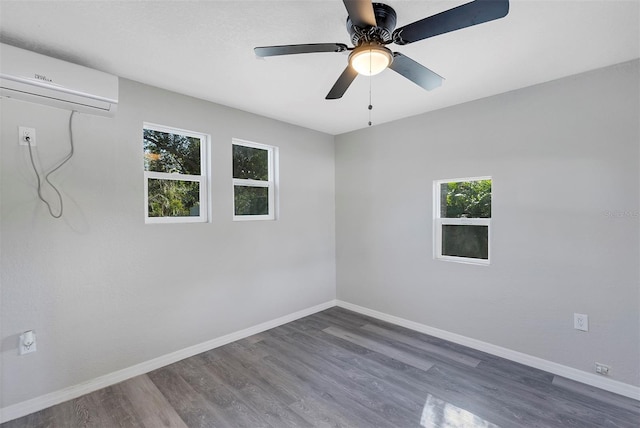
(338, 368)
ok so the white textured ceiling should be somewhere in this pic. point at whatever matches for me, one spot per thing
(205, 49)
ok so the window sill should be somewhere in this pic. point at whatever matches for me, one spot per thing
(464, 260)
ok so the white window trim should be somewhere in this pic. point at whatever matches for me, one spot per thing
(202, 179)
(272, 155)
(438, 222)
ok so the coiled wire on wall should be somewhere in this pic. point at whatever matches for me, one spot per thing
(46, 177)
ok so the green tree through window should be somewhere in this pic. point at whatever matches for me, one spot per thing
(173, 198)
(463, 219)
(250, 163)
(253, 181)
(471, 199)
(173, 172)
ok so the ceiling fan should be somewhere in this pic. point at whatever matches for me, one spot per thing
(372, 27)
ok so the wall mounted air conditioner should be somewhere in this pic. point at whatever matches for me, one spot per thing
(30, 76)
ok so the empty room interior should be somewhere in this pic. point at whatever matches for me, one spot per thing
(320, 213)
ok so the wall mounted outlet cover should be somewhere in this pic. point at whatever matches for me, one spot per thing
(581, 322)
(602, 369)
(27, 342)
(26, 136)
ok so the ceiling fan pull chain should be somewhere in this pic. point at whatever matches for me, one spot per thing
(370, 105)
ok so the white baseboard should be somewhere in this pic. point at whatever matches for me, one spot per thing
(519, 357)
(39, 403)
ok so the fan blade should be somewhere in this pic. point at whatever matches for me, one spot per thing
(342, 84)
(361, 12)
(416, 72)
(476, 12)
(264, 51)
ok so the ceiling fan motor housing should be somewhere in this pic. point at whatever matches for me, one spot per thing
(382, 32)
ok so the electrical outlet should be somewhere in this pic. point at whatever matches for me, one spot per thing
(26, 136)
(27, 342)
(581, 322)
(602, 369)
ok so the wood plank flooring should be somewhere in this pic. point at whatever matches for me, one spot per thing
(337, 368)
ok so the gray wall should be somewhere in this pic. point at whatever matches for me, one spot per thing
(565, 234)
(103, 290)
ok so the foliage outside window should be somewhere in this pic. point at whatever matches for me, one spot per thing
(175, 181)
(462, 219)
(253, 181)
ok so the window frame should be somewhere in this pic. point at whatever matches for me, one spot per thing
(439, 222)
(202, 179)
(270, 184)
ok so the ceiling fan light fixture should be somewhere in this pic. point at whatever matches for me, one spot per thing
(370, 60)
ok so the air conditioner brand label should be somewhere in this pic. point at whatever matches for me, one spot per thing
(42, 77)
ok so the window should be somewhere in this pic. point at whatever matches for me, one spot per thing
(175, 183)
(253, 181)
(462, 219)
